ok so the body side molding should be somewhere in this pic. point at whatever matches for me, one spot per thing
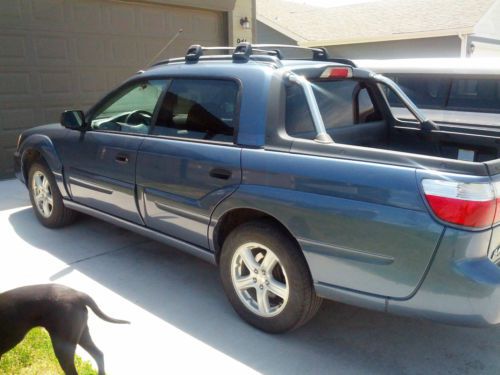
(157, 236)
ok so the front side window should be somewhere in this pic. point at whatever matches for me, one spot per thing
(131, 110)
(203, 109)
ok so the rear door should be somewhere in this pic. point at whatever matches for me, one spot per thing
(99, 163)
(190, 162)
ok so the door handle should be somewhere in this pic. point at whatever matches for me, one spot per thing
(121, 158)
(220, 173)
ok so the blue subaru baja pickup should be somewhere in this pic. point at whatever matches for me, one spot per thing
(293, 176)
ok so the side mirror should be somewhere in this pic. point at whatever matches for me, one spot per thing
(73, 120)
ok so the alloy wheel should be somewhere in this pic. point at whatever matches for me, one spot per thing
(259, 279)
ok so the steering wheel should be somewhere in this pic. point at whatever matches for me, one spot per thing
(138, 117)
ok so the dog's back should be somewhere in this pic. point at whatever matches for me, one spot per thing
(59, 309)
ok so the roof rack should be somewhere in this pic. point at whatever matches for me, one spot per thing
(244, 52)
(318, 53)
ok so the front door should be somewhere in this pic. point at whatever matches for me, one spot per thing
(190, 162)
(99, 163)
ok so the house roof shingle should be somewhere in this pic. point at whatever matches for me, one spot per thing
(379, 20)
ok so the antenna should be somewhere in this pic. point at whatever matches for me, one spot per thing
(164, 48)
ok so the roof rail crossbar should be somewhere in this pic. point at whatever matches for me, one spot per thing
(319, 53)
(287, 46)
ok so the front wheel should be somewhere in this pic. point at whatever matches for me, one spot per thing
(46, 199)
(266, 278)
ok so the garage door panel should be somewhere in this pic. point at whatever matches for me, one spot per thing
(10, 12)
(47, 14)
(15, 84)
(51, 49)
(122, 19)
(13, 119)
(66, 54)
(152, 22)
(13, 47)
(124, 51)
(89, 49)
(87, 17)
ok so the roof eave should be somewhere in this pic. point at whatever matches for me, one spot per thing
(388, 38)
(282, 30)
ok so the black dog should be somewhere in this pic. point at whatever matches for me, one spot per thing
(62, 311)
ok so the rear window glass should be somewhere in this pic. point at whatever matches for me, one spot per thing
(428, 92)
(438, 92)
(475, 94)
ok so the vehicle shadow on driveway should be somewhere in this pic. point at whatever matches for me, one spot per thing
(185, 292)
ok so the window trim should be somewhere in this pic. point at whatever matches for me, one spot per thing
(237, 111)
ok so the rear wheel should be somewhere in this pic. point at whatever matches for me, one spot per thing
(46, 199)
(266, 278)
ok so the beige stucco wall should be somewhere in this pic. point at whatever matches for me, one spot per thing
(242, 9)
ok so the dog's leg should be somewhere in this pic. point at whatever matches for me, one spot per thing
(9, 340)
(65, 353)
(87, 344)
(65, 334)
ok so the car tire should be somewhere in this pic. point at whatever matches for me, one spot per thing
(266, 278)
(46, 198)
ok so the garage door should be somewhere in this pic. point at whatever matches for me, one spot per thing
(63, 54)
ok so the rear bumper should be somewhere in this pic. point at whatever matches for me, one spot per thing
(462, 286)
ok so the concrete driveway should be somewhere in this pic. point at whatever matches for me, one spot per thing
(183, 324)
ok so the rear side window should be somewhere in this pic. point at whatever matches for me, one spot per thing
(335, 101)
(475, 94)
(341, 103)
(344, 103)
(199, 109)
(298, 118)
(366, 111)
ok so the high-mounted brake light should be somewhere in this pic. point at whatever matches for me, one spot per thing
(337, 73)
(467, 204)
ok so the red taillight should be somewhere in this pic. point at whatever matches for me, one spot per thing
(337, 73)
(467, 204)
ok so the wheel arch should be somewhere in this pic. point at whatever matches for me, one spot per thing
(234, 217)
(40, 147)
(36, 147)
